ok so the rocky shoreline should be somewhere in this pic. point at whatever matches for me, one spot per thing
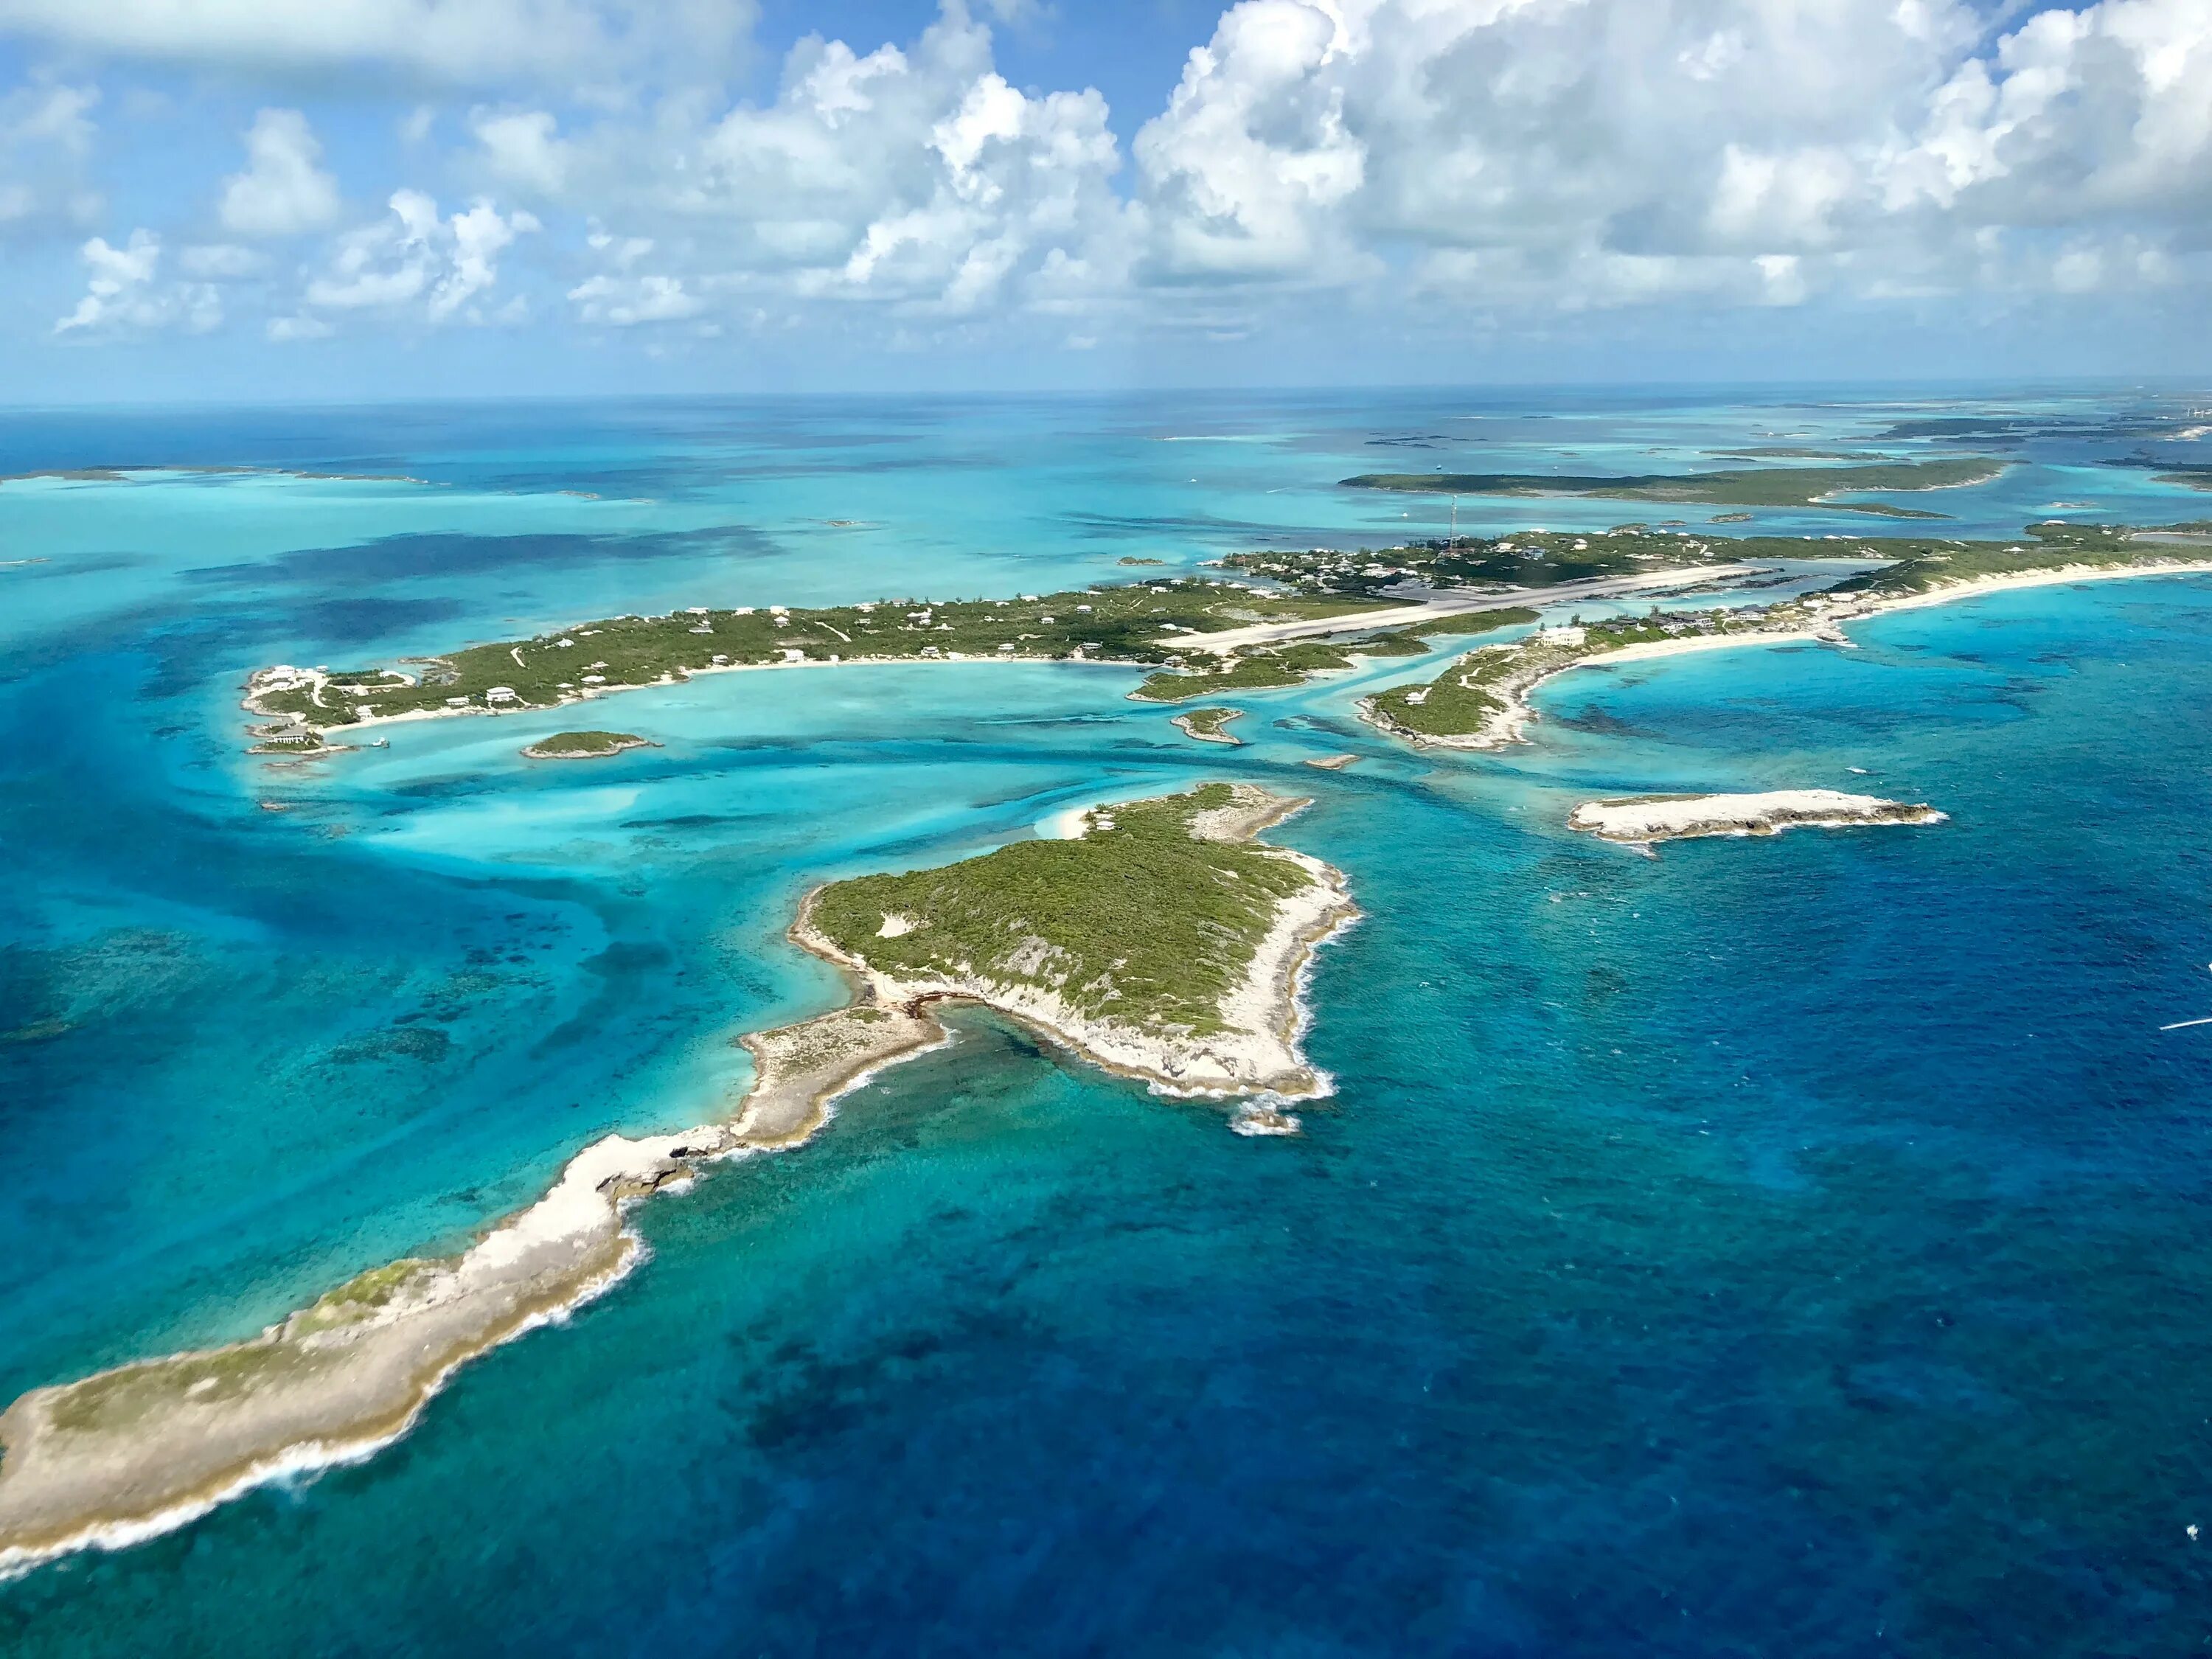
(1641, 820)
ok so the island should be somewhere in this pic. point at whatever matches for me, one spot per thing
(1206, 725)
(1640, 820)
(1165, 942)
(1764, 486)
(585, 746)
(1147, 622)
(1291, 615)
(1482, 701)
(1161, 941)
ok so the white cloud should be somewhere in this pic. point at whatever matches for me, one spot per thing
(1576, 152)
(282, 193)
(1470, 160)
(916, 178)
(220, 261)
(123, 293)
(521, 150)
(415, 263)
(45, 137)
(1251, 165)
(626, 301)
(477, 42)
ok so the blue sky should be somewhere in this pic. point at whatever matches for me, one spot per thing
(338, 199)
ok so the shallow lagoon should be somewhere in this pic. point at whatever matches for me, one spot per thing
(1787, 1246)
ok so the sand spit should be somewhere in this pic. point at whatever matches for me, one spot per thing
(1264, 1015)
(130, 1453)
(1639, 820)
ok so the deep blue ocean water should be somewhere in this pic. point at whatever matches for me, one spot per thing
(1795, 1247)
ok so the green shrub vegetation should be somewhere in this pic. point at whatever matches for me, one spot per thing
(1142, 922)
(1478, 622)
(2040, 547)
(1764, 486)
(580, 743)
(1210, 722)
(1131, 623)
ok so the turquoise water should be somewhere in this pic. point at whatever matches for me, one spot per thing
(1790, 1247)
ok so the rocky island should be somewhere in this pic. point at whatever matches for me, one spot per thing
(1163, 942)
(1640, 820)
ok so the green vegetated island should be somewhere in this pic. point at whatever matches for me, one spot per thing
(1139, 622)
(1764, 486)
(1369, 602)
(1161, 938)
(1481, 701)
(585, 746)
(1209, 724)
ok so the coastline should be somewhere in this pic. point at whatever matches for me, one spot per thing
(130, 1452)
(1642, 820)
(1265, 1013)
(1185, 724)
(538, 751)
(1509, 724)
(254, 708)
(133, 1452)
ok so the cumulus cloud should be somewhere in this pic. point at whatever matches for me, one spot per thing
(124, 293)
(627, 301)
(220, 261)
(414, 262)
(1602, 151)
(45, 137)
(485, 42)
(523, 150)
(282, 193)
(1467, 160)
(915, 178)
(1498, 154)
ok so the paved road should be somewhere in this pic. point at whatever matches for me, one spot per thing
(1453, 605)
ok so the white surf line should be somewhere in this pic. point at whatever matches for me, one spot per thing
(2183, 1024)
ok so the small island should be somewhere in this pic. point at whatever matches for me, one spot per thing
(1163, 943)
(1206, 725)
(585, 746)
(1640, 820)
